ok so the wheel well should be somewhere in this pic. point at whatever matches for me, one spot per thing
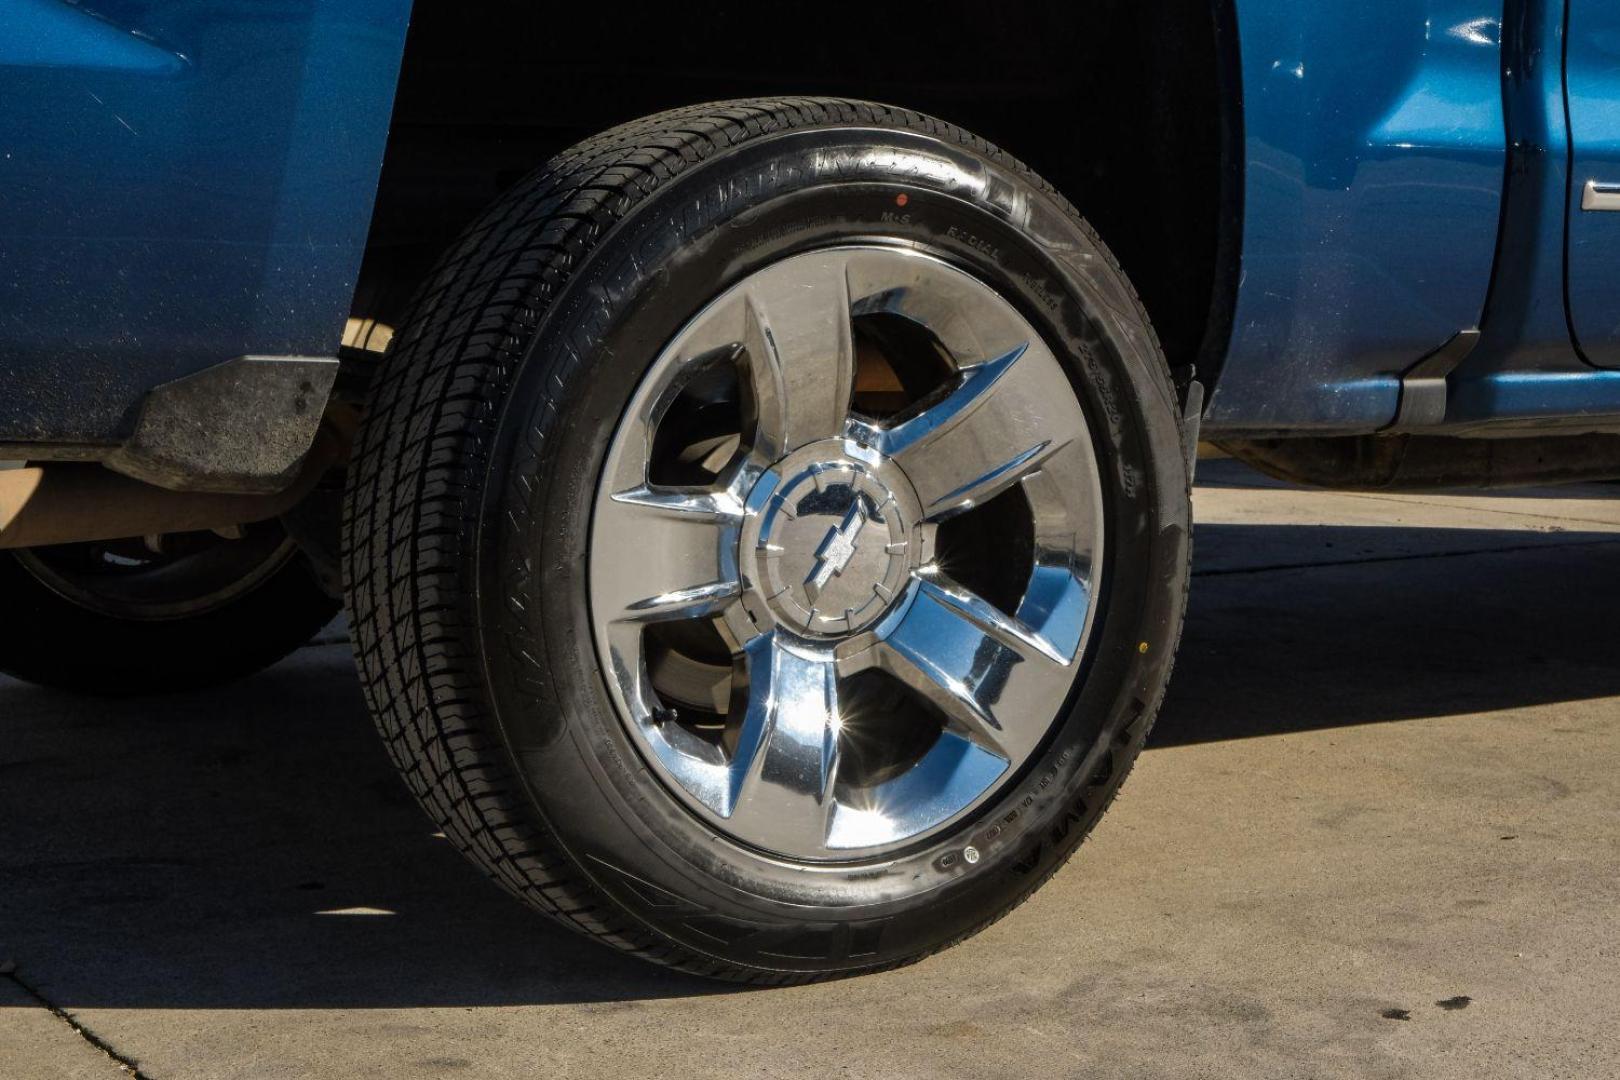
(1121, 104)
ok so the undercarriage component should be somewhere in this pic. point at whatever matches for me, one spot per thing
(66, 503)
(69, 502)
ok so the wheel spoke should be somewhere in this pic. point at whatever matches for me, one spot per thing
(665, 555)
(1003, 420)
(799, 344)
(787, 753)
(972, 322)
(950, 776)
(997, 681)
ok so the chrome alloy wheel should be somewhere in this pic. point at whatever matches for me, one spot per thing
(843, 552)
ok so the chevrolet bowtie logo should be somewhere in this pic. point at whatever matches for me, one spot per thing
(837, 549)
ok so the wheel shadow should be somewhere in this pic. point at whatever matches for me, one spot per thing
(1370, 625)
(250, 847)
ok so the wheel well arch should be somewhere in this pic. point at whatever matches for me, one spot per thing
(1130, 108)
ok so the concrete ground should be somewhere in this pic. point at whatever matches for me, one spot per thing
(1377, 834)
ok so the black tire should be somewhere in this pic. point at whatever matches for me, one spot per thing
(57, 632)
(471, 491)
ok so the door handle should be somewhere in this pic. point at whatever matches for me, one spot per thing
(1601, 195)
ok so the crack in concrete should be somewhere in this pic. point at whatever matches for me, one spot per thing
(127, 1064)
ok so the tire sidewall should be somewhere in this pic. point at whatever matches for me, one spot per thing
(693, 238)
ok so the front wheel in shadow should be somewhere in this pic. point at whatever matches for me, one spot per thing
(157, 614)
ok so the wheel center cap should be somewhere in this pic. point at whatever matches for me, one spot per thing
(830, 542)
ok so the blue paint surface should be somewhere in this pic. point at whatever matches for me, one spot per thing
(180, 183)
(1592, 76)
(184, 182)
(1526, 370)
(1375, 148)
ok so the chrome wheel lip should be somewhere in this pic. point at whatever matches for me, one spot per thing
(793, 668)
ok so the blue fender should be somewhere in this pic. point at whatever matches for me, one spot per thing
(180, 184)
(1374, 150)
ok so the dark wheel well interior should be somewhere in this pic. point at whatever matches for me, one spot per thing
(1121, 104)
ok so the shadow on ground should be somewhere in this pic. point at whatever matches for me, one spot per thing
(1233, 474)
(251, 848)
(1411, 624)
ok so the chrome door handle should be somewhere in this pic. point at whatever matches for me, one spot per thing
(1601, 195)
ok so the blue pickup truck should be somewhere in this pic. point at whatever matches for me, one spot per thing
(761, 513)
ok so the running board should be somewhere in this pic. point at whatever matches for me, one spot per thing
(1423, 385)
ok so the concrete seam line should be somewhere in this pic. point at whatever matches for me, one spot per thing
(1509, 550)
(121, 1060)
(1407, 500)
